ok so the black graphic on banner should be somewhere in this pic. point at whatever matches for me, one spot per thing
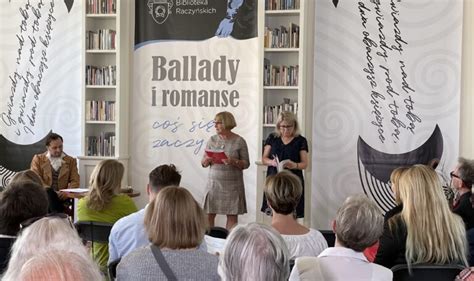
(194, 20)
(375, 166)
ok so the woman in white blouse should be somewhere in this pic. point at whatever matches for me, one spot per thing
(283, 192)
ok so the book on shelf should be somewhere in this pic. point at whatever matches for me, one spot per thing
(282, 4)
(101, 6)
(102, 145)
(100, 76)
(271, 112)
(279, 75)
(102, 39)
(100, 110)
(281, 37)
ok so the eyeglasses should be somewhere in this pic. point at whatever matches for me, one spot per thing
(453, 175)
(31, 221)
(217, 122)
(286, 126)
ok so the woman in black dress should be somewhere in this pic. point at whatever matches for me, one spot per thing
(289, 149)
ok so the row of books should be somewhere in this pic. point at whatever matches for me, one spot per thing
(271, 112)
(280, 75)
(100, 110)
(106, 75)
(102, 39)
(101, 6)
(282, 37)
(282, 4)
(102, 145)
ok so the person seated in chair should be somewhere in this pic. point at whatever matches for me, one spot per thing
(129, 233)
(57, 171)
(20, 201)
(283, 192)
(462, 179)
(103, 203)
(358, 225)
(175, 224)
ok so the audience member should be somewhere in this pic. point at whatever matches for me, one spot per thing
(20, 201)
(104, 203)
(255, 252)
(283, 192)
(426, 231)
(57, 171)
(394, 178)
(462, 179)
(48, 233)
(358, 225)
(129, 233)
(26, 175)
(59, 265)
(175, 224)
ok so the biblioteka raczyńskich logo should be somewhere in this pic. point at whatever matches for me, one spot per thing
(160, 9)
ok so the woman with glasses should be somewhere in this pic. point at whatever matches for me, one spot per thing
(104, 203)
(287, 149)
(426, 231)
(225, 184)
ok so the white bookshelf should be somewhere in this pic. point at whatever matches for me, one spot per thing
(110, 84)
(272, 95)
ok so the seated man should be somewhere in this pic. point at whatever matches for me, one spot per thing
(57, 171)
(358, 225)
(462, 179)
(129, 233)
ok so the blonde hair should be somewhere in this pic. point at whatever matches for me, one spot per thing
(175, 220)
(434, 233)
(283, 192)
(290, 118)
(227, 119)
(394, 178)
(104, 184)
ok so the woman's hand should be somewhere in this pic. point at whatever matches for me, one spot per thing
(273, 163)
(290, 165)
(232, 161)
(206, 162)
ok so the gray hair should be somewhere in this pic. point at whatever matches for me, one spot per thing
(359, 223)
(255, 252)
(466, 171)
(45, 234)
(59, 265)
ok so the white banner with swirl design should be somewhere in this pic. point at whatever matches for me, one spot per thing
(179, 86)
(387, 94)
(40, 78)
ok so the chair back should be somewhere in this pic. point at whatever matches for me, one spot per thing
(218, 232)
(432, 272)
(112, 268)
(329, 236)
(94, 231)
(5, 246)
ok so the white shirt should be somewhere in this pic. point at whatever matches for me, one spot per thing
(310, 244)
(339, 264)
(127, 234)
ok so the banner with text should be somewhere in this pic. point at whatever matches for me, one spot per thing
(192, 60)
(40, 79)
(387, 94)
